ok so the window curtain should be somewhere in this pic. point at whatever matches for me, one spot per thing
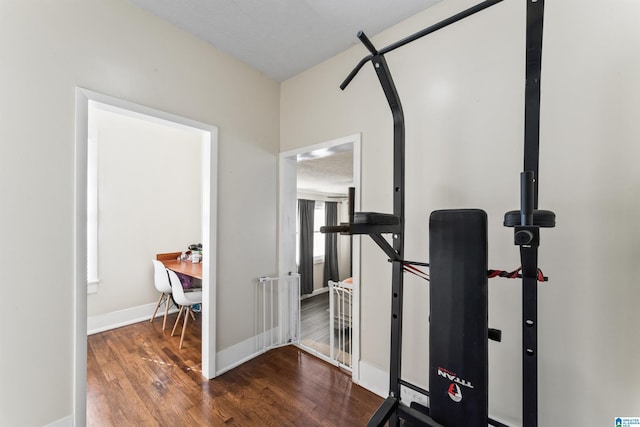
(330, 244)
(305, 267)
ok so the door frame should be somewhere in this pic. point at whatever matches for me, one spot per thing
(287, 177)
(209, 228)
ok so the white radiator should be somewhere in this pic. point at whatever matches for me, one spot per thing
(279, 298)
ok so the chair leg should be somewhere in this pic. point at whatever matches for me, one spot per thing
(177, 320)
(166, 310)
(153, 316)
(184, 326)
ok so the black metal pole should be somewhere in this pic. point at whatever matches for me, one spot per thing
(529, 341)
(395, 371)
(529, 254)
(535, 20)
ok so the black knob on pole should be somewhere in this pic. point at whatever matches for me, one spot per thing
(523, 237)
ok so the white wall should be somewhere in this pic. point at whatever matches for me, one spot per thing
(113, 47)
(462, 90)
(149, 202)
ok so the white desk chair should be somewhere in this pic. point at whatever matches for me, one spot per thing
(186, 301)
(161, 282)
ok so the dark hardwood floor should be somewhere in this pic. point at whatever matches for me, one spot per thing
(314, 318)
(137, 376)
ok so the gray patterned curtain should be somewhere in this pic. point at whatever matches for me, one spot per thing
(330, 244)
(305, 267)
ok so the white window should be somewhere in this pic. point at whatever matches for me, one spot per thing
(318, 237)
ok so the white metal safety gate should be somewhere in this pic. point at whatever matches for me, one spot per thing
(340, 322)
(280, 305)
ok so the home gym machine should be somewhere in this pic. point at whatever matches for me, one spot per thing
(458, 344)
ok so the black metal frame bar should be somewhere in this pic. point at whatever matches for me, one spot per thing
(397, 288)
(529, 202)
(435, 27)
(533, 73)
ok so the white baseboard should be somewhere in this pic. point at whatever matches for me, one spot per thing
(237, 354)
(374, 379)
(92, 288)
(226, 359)
(128, 316)
(62, 422)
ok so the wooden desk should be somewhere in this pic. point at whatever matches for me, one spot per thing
(188, 268)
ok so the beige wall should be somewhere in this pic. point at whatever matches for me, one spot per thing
(463, 94)
(149, 191)
(110, 46)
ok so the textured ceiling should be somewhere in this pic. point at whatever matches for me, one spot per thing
(331, 175)
(281, 38)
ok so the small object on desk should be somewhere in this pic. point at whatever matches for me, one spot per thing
(196, 247)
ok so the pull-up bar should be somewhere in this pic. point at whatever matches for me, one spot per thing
(451, 20)
(375, 224)
(526, 222)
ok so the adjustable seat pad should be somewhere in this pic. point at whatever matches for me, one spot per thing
(458, 330)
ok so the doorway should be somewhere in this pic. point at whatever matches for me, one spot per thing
(208, 228)
(301, 173)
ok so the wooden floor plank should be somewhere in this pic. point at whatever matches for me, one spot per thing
(136, 375)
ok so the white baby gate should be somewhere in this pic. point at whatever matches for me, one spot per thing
(280, 297)
(279, 302)
(340, 322)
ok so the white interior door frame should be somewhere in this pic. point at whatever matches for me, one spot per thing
(287, 178)
(209, 220)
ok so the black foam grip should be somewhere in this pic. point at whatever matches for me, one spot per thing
(541, 218)
(343, 228)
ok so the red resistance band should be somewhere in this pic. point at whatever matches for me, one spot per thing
(515, 274)
(415, 270)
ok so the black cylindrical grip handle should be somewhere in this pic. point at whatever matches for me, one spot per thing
(526, 197)
(352, 204)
